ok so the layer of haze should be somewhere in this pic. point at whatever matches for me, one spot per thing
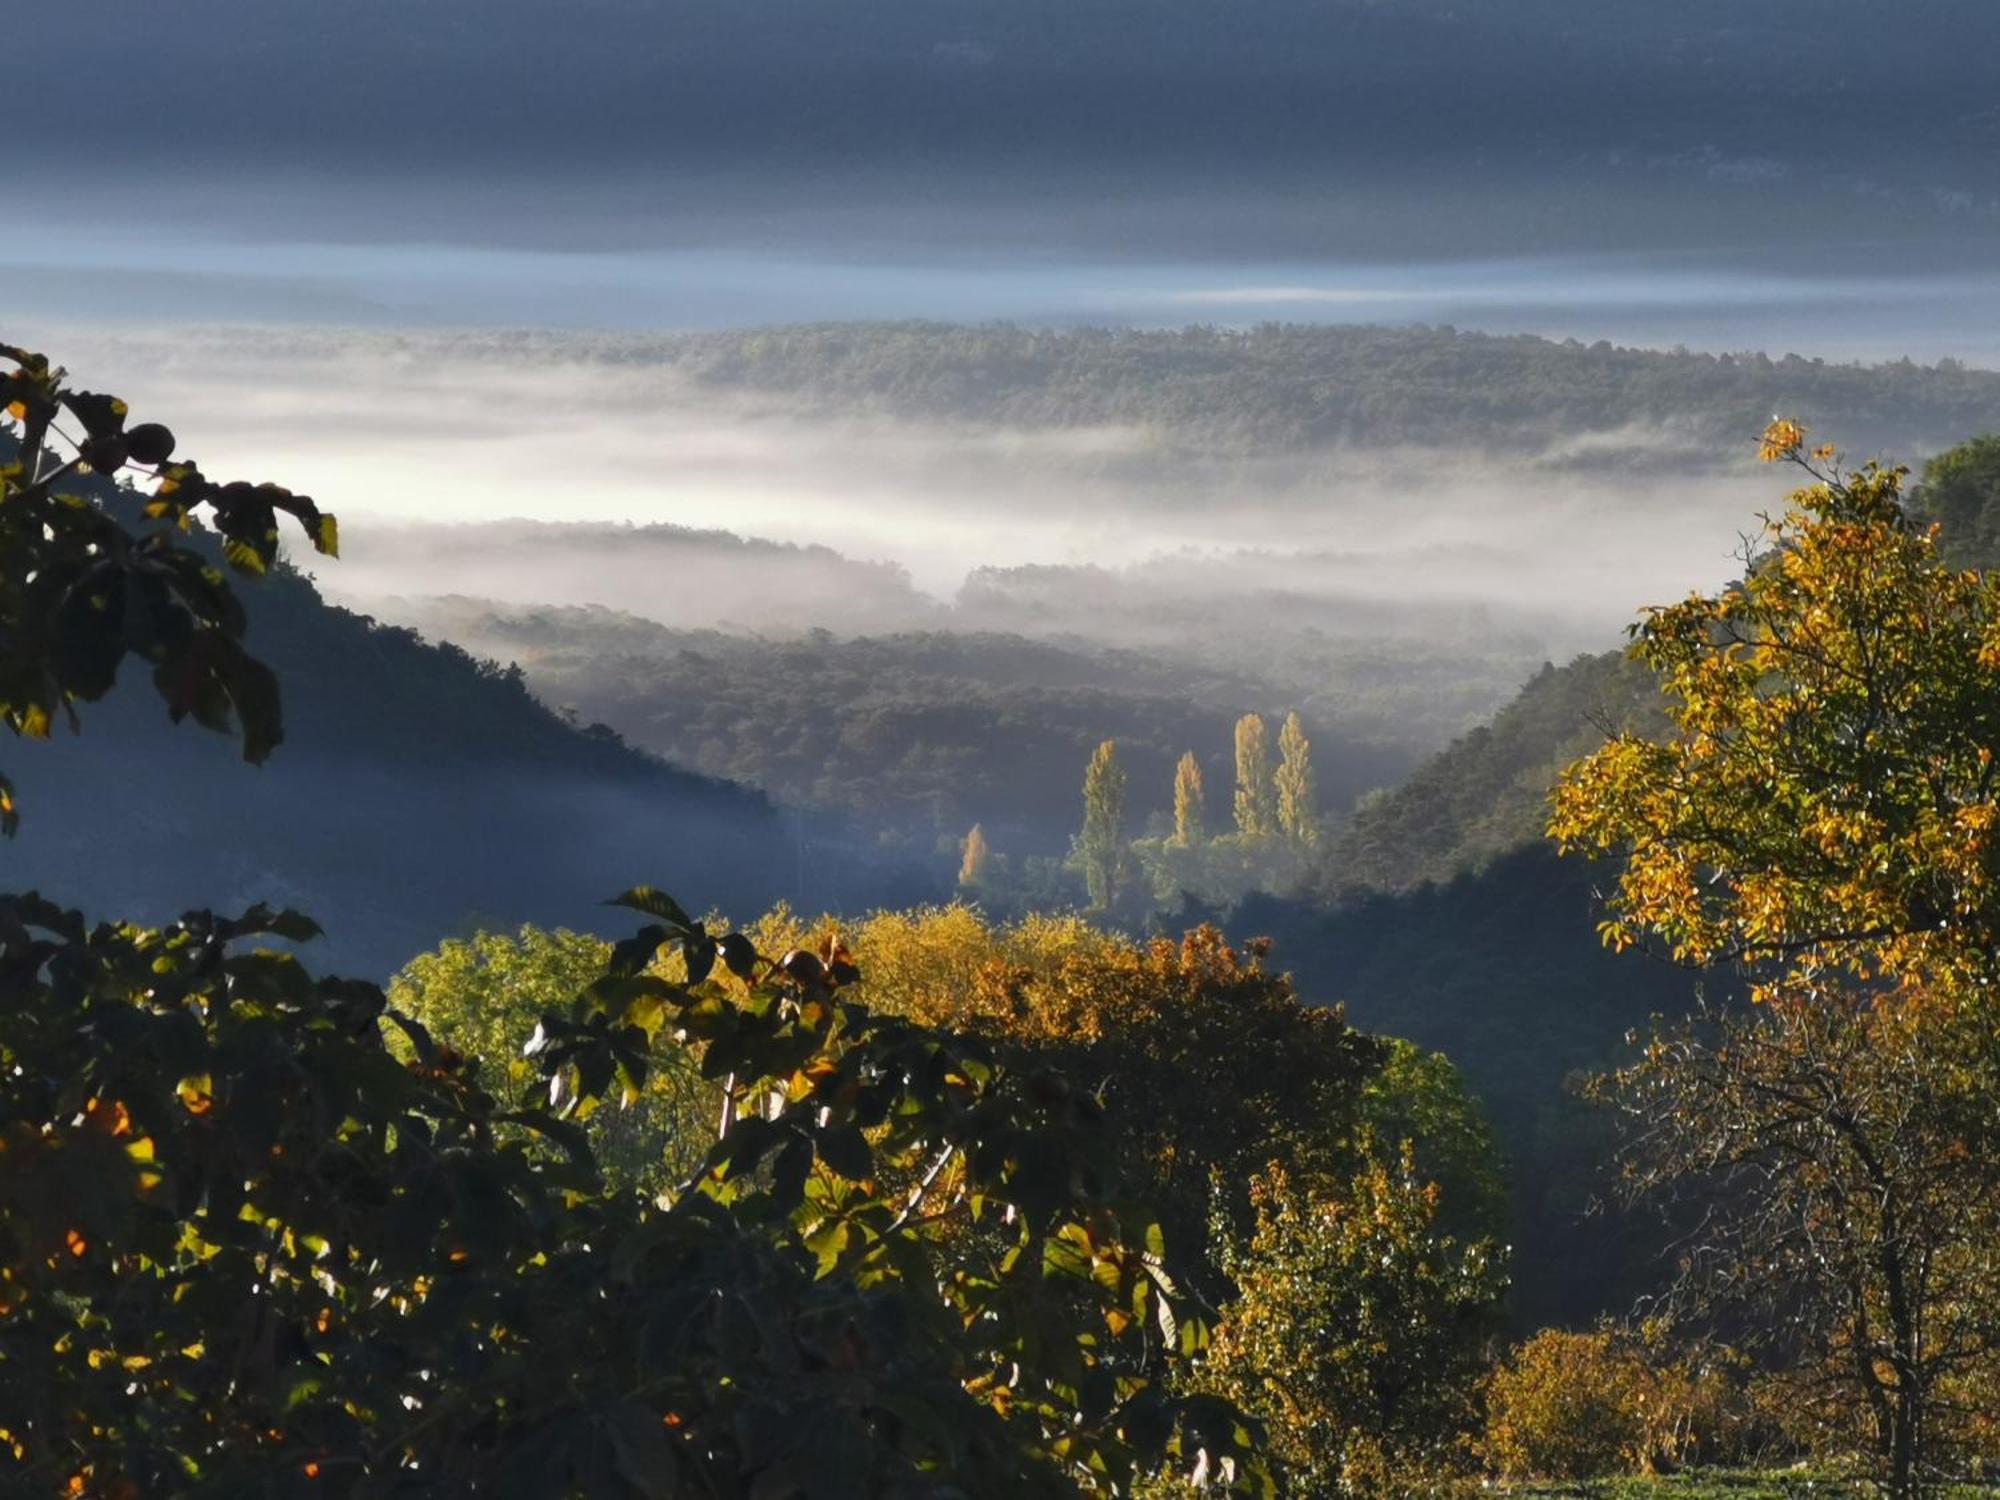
(363, 193)
(422, 443)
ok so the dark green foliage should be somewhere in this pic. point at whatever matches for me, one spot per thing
(1960, 490)
(1502, 971)
(1487, 794)
(1421, 1097)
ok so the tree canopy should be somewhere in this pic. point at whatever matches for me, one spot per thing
(1828, 795)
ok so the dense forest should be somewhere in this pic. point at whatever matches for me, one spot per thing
(1221, 394)
(918, 735)
(1486, 794)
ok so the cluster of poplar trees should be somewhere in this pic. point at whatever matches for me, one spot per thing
(1275, 810)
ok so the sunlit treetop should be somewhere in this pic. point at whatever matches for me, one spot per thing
(1828, 796)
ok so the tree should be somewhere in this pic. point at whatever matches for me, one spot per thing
(1827, 796)
(81, 589)
(1256, 790)
(1360, 1331)
(1960, 490)
(1842, 1146)
(1420, 1099)
(1823, 814)
(1209, 1063)
(1189, 803)
(240, 1240)
(1566, 1406)
(1297, 798)
(1102, 845)
(975, 865)
(488, 993)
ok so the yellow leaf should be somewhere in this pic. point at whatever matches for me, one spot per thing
(1781, 439)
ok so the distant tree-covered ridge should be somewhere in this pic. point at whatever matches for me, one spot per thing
(920, 733)
(1487, 793)
(1298, 387)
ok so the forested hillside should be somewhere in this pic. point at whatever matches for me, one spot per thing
(916, 734)
(1286, 388)
(1487, 794)
(1501, 969)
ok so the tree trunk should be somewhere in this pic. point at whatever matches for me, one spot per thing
(1903, 1444)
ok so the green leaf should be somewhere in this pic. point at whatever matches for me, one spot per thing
(826, 1243)
(654, 903)
(643, 1453)
(843, 1148)
(739, 955)
(635, 953)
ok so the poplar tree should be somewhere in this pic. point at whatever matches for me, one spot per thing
(1102, 845)
(1298, 798)
(977, 863)
(1256, 790)
(1190, 802)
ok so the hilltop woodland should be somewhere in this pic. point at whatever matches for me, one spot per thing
(931, 1203)
(919, 734)
(1284, 388)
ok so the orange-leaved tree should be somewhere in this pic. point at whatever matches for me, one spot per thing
(1830, 798)
(1824, 817)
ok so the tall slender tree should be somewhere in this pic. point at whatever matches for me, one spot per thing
(1103, 842)
(1190, 802)
(1298, 794)
(1256, 789)
(977, 861)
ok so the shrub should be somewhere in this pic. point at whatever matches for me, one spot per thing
(1565, 1406)
(1583, 1405)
